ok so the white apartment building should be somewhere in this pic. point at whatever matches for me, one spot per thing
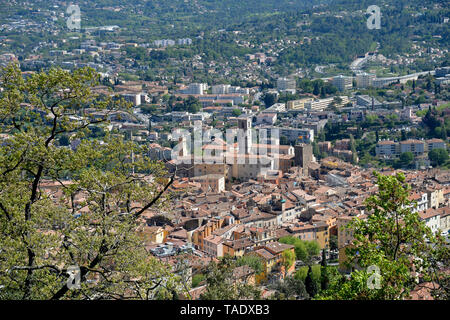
(420, 200)
(195, 88)
(134, 98)
(387, 149)
(342, 82)
(286, 84)
(220, 89)
(436, 144)
(184, 41)
(365, 80)
(321, 104)
(226, 89)
(432, 219)
(392, 149)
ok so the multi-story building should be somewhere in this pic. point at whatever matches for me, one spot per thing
(364, 80)
(436, 144)
(164, 43)
(324, 146)
(303, 155)
(442, 72)
(444, 219)
(220, 89)
(435, 197)
(266, 118)
(298, 104)
(387, 148)
(195, 89)
(134, 98)
(342, 82)
(391, 149)
(367, 101)
(251, 166)
(237, 248)
(227, 89)
(272, 257)
(286, 84)
(184, 41)
(417, 147)
(321, 104)
(213, 245)
(211, 99)
(343, 144)
(293, 135)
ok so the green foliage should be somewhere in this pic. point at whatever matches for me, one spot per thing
(406, 158)
(252, 261)
(333, 242)
(436, 123)
(284, 141)
(311, 284)
(196, 279)
(302, 272)
(92, 225)
(290, 288)
(304, 250)
(221, 285)
(237, 112)
(269, 99)
(324, 277)
(312, 247)
(287, 259)
(394, 239)
(438, 156)
(148, 108)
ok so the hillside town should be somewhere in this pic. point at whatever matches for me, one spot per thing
(259, 160)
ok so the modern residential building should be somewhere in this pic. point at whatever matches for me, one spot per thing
(286, 84)
(321, 104)
(134, 98)
(387, 149)
(293, 135)
(436, 144)
(364, 80)
(298, 104)
(417, 147)
(342, 83)
(195, 89)
(266, 118)
(367, 101)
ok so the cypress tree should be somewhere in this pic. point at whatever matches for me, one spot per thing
(324, 278)
(311, 284)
